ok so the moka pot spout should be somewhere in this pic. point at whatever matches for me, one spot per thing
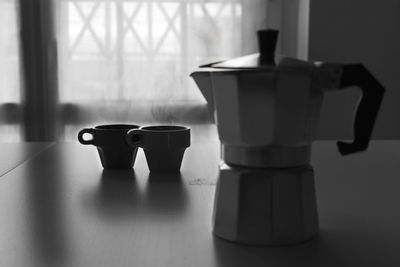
(203, 80)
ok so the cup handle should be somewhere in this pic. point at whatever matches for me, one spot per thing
(133, 137)
(88, 131)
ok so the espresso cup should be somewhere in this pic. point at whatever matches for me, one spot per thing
(163, 145)
(113, 150)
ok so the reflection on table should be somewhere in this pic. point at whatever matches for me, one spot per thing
(60, 208)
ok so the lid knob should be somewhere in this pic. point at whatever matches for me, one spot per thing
(266, 44)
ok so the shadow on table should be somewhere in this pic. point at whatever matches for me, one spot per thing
(332, 248)
(45, 198)
(117, 195)
(165, 195)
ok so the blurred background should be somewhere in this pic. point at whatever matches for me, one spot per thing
(70, 64)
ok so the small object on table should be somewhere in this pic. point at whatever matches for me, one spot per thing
(109, 139)
(163, 145)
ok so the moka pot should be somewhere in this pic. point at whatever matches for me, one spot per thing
(267, 108)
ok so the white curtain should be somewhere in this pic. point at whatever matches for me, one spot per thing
(9, 73)
(130, 60)
(120, 61)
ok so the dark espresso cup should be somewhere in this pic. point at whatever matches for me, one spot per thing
(163, 145)
(113, 150)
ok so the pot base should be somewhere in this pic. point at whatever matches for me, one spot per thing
(272, 207)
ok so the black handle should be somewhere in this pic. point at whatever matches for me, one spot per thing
(133, 137)
(266, 44)
(86, 131)
(372, 95)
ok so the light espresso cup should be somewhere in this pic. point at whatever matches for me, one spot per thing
(163, 145)
(109, 139)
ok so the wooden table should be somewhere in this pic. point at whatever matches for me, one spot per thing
(60, 208)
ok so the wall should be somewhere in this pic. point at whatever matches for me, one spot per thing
(366, 31)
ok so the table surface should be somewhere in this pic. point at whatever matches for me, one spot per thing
(59, 208)
(14, 154)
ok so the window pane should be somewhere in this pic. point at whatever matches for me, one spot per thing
(142, 50)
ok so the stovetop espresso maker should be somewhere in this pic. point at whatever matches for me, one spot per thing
(266, 109)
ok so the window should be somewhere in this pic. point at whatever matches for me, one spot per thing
(143, 50)
(116, 60)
